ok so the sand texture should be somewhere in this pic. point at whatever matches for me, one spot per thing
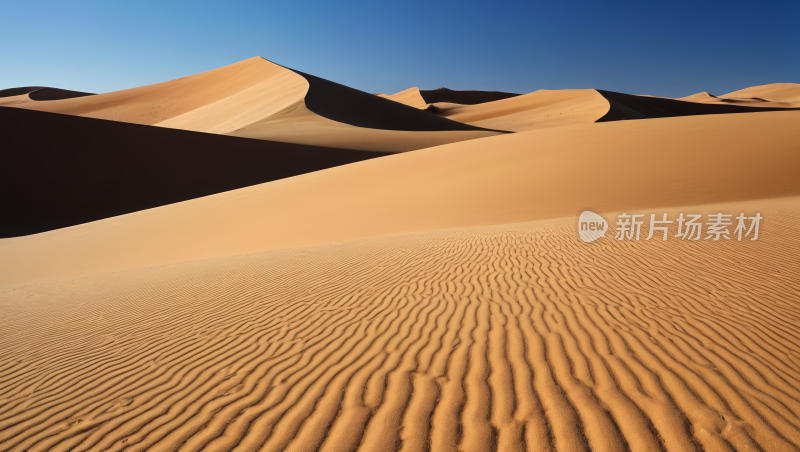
(496, 338)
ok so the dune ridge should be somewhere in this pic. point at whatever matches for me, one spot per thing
(410, 97)
(242, 99)
(628, 106)
(514, 337)
(537, 110)
(16, 96)
(556, 108)
(774, 92)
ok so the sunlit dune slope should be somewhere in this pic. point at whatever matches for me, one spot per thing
(506, 338)
(551, 173)
(537, 110)
(774, 92)
(335, 115)
(707, 98)
(155, 103)
(555, 108)
(242, 99)
(410, 97)
(85, 169)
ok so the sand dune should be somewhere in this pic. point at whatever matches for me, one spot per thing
(555, 108)
(152, 104)
(85, 169)
(628, 106)
(792, 97)
(774, 92)
(537, 110)
(242, 99)
(16, 96)
(410, 97)
(704, 159)
(39, 93)
(338, 116)
(507, 338)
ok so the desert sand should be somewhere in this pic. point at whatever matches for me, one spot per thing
(778, 95)
(703, 159)
(410, 97)
(86, 169)
(360, 297)
(537, 110)
(16, 96)
(554, 108)
(256, 98)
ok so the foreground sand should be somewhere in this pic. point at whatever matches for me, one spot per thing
(514, 337)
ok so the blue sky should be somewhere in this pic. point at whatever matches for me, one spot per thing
(668, 48)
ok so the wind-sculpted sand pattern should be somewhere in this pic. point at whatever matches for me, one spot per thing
(497, 338)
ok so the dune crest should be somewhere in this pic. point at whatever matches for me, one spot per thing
(410, 97)
(16, 96)
(152, 104)
(777, 95)
(244, 98)
(538, 110)
(774, 92)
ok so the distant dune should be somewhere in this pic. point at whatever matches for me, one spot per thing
(554, 108)
(627, 106)
(16, 96)
(537, 110)
(410, 97)
(775, 92)
(258, 99)
(85, 169)
(42, 93)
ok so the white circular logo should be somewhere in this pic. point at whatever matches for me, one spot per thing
(591, 226)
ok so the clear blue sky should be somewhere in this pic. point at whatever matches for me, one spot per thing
(666, 48)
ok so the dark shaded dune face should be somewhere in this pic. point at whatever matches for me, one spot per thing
(61, 170)
(356, 108)
(56, 94)
(463, 97)
(628, 106)
(43, 93)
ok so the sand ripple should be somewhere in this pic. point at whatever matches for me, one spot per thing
(498, 338)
